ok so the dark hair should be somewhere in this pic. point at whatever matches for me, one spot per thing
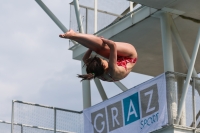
(94, 68)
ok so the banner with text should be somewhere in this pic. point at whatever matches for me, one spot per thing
(141, 109)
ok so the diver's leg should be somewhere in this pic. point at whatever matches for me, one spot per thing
(90, 41)
(96, 44)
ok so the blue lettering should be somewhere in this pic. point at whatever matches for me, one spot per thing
(154, 118)
(131, 109)
(145, 122)
(149, 121)
(142, 125)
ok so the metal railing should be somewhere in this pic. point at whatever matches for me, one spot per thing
(30, 116)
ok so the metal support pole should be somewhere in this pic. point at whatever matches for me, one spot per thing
(54, 120)
(86, 90)
(168, 65)
(53, 17)
(121, 86)
(22, 128)
(131, 6)
(194, 102)
(12, 117)
(166, 42)
(85, 84)
(78, 16)
(95, 16)
(86, 21)
(100, 89)
(189, 74)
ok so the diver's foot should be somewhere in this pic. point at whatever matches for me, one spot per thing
(69, 34)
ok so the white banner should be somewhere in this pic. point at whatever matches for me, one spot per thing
(141, 109)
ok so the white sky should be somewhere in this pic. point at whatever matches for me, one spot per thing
(35, 64)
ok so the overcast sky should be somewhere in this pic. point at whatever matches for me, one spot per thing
(36, 65)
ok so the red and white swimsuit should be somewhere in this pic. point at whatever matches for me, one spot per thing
(121, 61)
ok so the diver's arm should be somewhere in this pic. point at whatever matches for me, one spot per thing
(87, 55)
